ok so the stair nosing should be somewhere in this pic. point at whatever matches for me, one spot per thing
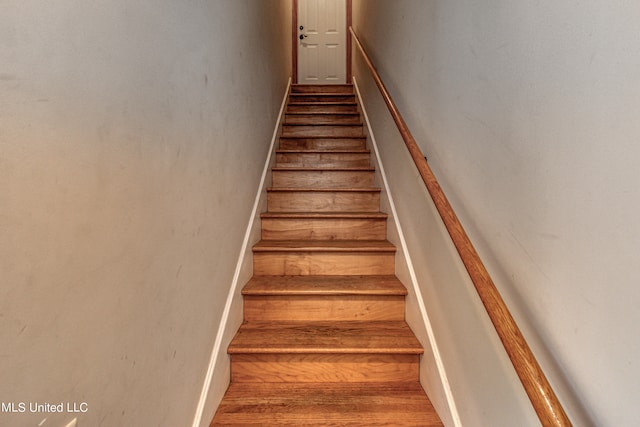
(326, 151)
(324, 286)
(322, 137)
(321, 94)
(322, 113)
(326, 215)
(328, 103)
(325, 189)
(324, 168)
(358, 124)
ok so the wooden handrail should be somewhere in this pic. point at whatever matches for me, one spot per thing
(543, 398)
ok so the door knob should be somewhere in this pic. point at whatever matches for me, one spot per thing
(302, 36)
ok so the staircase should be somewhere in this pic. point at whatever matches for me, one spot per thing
(324, 341)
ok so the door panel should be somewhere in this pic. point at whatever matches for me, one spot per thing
(322, 54)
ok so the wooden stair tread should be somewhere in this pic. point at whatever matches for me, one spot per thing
(354, 337)
(322, 118)
(325, 215)
(323, 130)
(324, 285)
(330, 167)
(327, 94)
(324, 125)
(314, 404)
(326, 103)
(325, 190)
(337, 137)
(322, 97)
(323, 168)
(324, 246)
(326, 151)
(322, 113)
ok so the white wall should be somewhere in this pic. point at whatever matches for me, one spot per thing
(527, 113)
(463, 356)
(132, 138)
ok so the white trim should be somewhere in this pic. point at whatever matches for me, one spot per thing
(234, 283)
(414, 281)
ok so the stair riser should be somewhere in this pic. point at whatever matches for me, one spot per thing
(321, 119)
(319, 108)
(323, 308)
(323, 229)
(322, 98)
(322, 143)
(330, 201)
(322, 89)
(310, 368)
(323, 131)
(322, 263)
(326, 178)
(322, 160)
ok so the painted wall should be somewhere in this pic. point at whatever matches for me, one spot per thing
(527, 114)
(463, 355)
(132, 138)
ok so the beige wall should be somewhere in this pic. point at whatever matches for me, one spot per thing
(527, 113)
(132, 138)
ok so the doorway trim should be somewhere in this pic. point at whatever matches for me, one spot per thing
(294, 41)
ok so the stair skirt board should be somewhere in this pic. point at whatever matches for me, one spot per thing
(451, 412)
(219, 352)
(324, 311)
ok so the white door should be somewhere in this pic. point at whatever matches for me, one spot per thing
(322, 41)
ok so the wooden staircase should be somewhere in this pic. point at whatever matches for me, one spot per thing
(324, 341)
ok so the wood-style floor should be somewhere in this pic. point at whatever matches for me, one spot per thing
(324, 341)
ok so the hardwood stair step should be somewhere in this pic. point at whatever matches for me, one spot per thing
(328, 404)
(324, 226)
(325, 151)
(355, 351)
(293, 199)
(366, 169)
(317, 103)
(324, 107)
(323, 298)
(322, 143)
(323, 130)
(323, 257)
(322, 158)
(295, 308)
(323, 177)
(324, 367)
(378, 246)
(321, 118)
(324, 285)
(322, 97)
(338, 88)
(325, 338)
